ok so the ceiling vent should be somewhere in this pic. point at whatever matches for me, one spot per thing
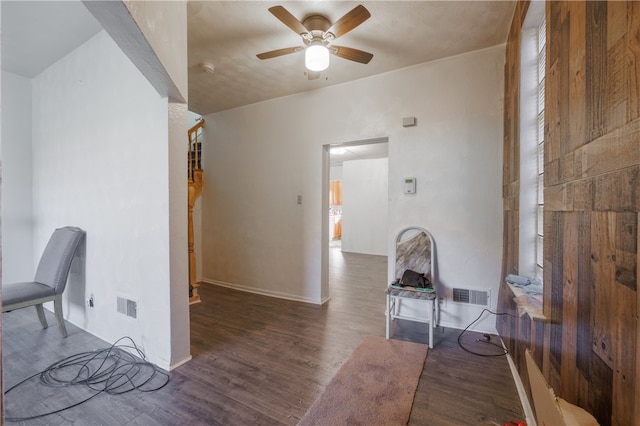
(471, 297)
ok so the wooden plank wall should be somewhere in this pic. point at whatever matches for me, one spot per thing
(588, 349)
(1, 363)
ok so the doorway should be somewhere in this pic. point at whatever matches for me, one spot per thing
(356, 204)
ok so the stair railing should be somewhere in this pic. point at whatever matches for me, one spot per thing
(195, 188)
(195, 147)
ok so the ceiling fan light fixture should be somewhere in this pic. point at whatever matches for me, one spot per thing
(316, 57)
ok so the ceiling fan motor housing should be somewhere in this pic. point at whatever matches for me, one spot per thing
(316, 23)
(317, 26)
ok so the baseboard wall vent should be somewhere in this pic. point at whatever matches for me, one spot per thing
(128, 307)
(471, 297)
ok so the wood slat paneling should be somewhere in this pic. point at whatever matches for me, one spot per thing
(596, 75)
(577, 79)
(569, 305)
(585, 296)
(588, 350)
(633, 54)
(603, 266)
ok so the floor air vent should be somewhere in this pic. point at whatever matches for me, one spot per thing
(471, 297)
(128, 307)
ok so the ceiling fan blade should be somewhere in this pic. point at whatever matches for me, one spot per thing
(279, 52)
(288, 19)
(351, 54)
(313, 75)
(352, 19)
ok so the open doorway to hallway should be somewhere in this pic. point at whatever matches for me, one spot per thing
(358, 204)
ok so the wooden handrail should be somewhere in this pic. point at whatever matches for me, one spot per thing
(195, 128)
(195, 188)
(194, 152)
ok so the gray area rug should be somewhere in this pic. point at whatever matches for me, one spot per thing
(375, 386)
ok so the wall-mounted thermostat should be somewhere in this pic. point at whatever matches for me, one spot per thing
(410, 185)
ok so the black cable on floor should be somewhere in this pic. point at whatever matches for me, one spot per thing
(113, 371)
(503, 350)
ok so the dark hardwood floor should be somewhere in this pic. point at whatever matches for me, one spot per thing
(258, 360)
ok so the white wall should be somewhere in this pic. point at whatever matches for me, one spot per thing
(16, 205)
(365, 203)
(163, 24)
(335, 173)
(257, 238)
(192, 119)
(100, 162)
(455, 153)
(164, 65)
(177, 286)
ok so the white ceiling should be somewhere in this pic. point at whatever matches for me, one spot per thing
(340, 154)
(35, 34)
(399, 34)
(229, 34)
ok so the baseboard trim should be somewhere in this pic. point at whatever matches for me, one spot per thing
(262, 292)
(530, 419)
(179, 363)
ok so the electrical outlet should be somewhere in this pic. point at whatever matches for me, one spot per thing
(442, 301)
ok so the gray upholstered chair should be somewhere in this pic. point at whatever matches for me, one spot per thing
(51, 277)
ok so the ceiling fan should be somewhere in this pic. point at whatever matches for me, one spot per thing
(317, 34)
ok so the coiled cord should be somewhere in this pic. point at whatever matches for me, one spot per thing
(114, 371)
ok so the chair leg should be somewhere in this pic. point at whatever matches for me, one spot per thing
(57, 307)
(432, 319)
(43, 319)
(388, 315)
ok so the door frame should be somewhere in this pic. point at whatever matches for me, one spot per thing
(325, 293)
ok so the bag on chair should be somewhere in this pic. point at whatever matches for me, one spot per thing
(414, 279)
